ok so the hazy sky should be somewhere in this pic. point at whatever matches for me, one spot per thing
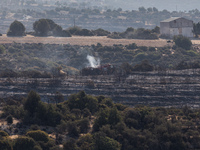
(171, 5)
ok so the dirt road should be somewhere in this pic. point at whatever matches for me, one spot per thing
(81, 40)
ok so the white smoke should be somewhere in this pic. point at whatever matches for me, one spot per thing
(94, 63)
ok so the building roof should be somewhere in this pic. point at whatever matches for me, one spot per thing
(171, 19)
(174, 18)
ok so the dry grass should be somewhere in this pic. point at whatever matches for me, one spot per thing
(81, 40)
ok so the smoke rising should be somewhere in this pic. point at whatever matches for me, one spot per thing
(93, 61)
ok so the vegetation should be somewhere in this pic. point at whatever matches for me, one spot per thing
(140, 33)
(106, 125)
(183, 42)
(31, 60)
(16, 29)
(43, 27)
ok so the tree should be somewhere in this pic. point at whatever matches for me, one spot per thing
(142, 9)
(32, 102)
(102, 142)
(24, 143)
(58, 97)
(196, 29)
(183, 42)
(41, 27)
(16, 29)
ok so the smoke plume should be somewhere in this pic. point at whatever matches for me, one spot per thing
(93, 61)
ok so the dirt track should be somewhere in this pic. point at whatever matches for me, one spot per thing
(80, 40)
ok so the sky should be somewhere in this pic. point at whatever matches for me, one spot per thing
(171, 5)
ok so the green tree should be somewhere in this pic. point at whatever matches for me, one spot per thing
(16, 29)
(114, 116)
(38, 135)
(32, 102)
(70, 144)
(24, 143)
(183, 42)
(43, 26)
(58, 97)
(196, 29)
(102, 142)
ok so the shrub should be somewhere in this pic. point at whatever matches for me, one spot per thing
(84, 32)
(73, 30)
(182, 42)
(24, 143)
(2, 49)
(101, 32)
(38, 135)
(132, 46)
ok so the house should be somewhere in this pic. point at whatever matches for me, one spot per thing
(176, 26)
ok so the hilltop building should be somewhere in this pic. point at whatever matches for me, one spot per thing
(176, 26)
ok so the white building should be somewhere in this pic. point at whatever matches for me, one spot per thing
(176, 26)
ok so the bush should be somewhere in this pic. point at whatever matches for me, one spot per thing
(132, 46)
(182, 42)
(2, 49)
(73, 30)
(38, 135)
(84, 32)
(24, 143)
(101, 32)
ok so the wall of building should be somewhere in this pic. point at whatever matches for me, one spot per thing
(177, 27)
(164, 28)
(180, 23)
(187, 31)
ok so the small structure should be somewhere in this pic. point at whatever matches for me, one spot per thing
(176, 26)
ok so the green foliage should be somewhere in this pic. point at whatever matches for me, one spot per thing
(84, 125)
(81, 101)
(156, 30)
(196, 29)
(72, 129)
(100, 32)
(38, 135)
(144, 66)
(16, 29)
(73, 30)
(2, 49)
(103, 142)
(32, 102)
(43, 27)
(24, 143)
(132, 46)
(182, 42)
(70, 145)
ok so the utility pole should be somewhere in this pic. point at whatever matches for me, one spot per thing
(74, 22)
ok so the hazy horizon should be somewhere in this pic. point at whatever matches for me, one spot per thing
(171, 5)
